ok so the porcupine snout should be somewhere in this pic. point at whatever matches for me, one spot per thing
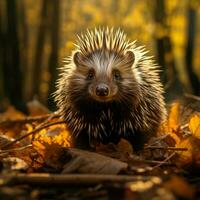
(102, 90)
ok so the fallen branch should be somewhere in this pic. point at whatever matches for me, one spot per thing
(184, 126)
(160, 138)
(15, 149)
(166, 148)
(31, 133)
(9, 123)
(164, 161)
(197, 98)
(153, 162)
(71, 179)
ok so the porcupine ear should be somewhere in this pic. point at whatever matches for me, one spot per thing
(130, 58)
(78, 58)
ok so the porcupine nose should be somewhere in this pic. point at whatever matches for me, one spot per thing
(102, 90)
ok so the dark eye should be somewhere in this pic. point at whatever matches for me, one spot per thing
(90, 75)
(116, 75)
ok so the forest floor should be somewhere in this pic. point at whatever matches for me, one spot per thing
(38, 160)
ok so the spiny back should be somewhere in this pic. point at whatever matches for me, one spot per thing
(104, 38)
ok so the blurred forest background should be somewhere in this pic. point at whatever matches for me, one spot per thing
(35, 35)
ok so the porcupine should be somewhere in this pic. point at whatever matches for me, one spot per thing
(110, 89)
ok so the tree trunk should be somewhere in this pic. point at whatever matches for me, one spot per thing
(53, 58)
(12, 71)
(195, 82)
(24, 47)
(165, 56)
(39, 51)
(2, 57)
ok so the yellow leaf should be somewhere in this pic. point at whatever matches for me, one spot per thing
(194, 126)
(173, 122)
(50, 152)
(191, 157)
(51, 143)
(185, 158)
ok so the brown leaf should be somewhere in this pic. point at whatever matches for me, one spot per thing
(180, 187)
(7, 127)
(184, 158)
(4, 140)
(11, 114)
(35, 108)
(49, 143)
(14, 163)
(189, 159)
(88, 162)
(119, 151)
(124, 146)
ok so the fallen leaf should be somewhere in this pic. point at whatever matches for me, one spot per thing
(194, 126)
(57, 134)
(81, 161)
(11, 114)
(4, 140)
(174, 118)
(180, 187)
(14, 163)
(184, 158)
(172, 125)
(35, 108)
(189, 159)
(120, 151)
(49, 143)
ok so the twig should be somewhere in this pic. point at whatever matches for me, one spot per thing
(184, 126)
(44, 123)
(71, 179)
(30, 133)
(192, 96)
(157, 162)
(15, 149)
(164, 161)
(158, 139)
(28, 119)
(166, 148)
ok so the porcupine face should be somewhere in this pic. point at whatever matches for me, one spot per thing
(105, 75)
